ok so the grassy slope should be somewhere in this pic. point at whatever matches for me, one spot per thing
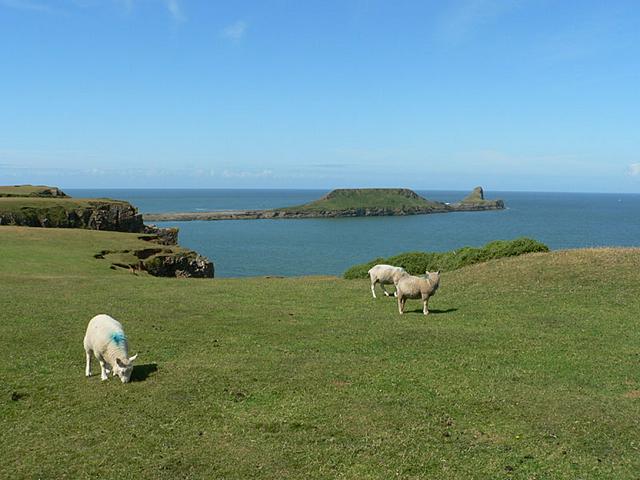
(527, 368)
(364, 198)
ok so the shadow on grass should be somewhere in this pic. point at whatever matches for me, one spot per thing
(141, 372)
(432, 310)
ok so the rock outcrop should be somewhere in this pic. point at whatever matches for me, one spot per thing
(160, 235)
(476, 201)
(180, 264)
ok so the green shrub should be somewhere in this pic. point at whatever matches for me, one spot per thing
(417, 263)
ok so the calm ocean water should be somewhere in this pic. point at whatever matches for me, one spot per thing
(330, 246)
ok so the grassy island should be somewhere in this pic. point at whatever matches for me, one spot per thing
(345, 199)
(527, 367)
(347, 202)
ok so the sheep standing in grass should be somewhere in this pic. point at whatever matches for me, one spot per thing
(385, 275)
(106, 340)
(417, 287)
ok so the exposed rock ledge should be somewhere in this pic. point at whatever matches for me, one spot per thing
(160, 261)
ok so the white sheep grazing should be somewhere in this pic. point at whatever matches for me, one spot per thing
(417, 287)
(385, 275)
(106, 340)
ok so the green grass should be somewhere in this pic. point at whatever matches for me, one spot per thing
(367, 198)
(27, 190)
(527, 368)
(476, 196)
(416, 263)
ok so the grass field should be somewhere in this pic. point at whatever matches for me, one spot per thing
(527, 367)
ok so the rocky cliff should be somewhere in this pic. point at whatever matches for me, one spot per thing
(70, 213)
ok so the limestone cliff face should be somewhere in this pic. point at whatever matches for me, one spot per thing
(120, 217)
(92, 214)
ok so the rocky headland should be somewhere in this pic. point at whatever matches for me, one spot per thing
(50, 207)
(43, 206)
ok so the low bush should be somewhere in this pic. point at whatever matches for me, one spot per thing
(417, 263)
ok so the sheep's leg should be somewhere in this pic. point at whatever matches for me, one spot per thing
(425, 309)
(400, 305)
(104, 370)
(87, 370)
(373, 289)
(384, 290)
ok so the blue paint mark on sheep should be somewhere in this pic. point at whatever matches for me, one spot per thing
(118, 338)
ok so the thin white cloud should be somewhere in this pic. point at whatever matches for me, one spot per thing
(235, 32)
(634, 169)
(247, 174)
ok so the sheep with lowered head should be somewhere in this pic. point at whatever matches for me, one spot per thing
(106, 340)
(385, 275)
(417, 287)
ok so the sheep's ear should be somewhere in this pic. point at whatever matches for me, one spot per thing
(426, 272)
(131, 359)
(119, 362)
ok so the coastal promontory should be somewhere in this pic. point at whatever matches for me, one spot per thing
(50, 207)
(43, 206)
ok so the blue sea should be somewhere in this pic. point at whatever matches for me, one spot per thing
(330, 246)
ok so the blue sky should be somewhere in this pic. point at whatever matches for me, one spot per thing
(512, 95)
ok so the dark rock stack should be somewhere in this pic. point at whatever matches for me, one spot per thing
(476, 201)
